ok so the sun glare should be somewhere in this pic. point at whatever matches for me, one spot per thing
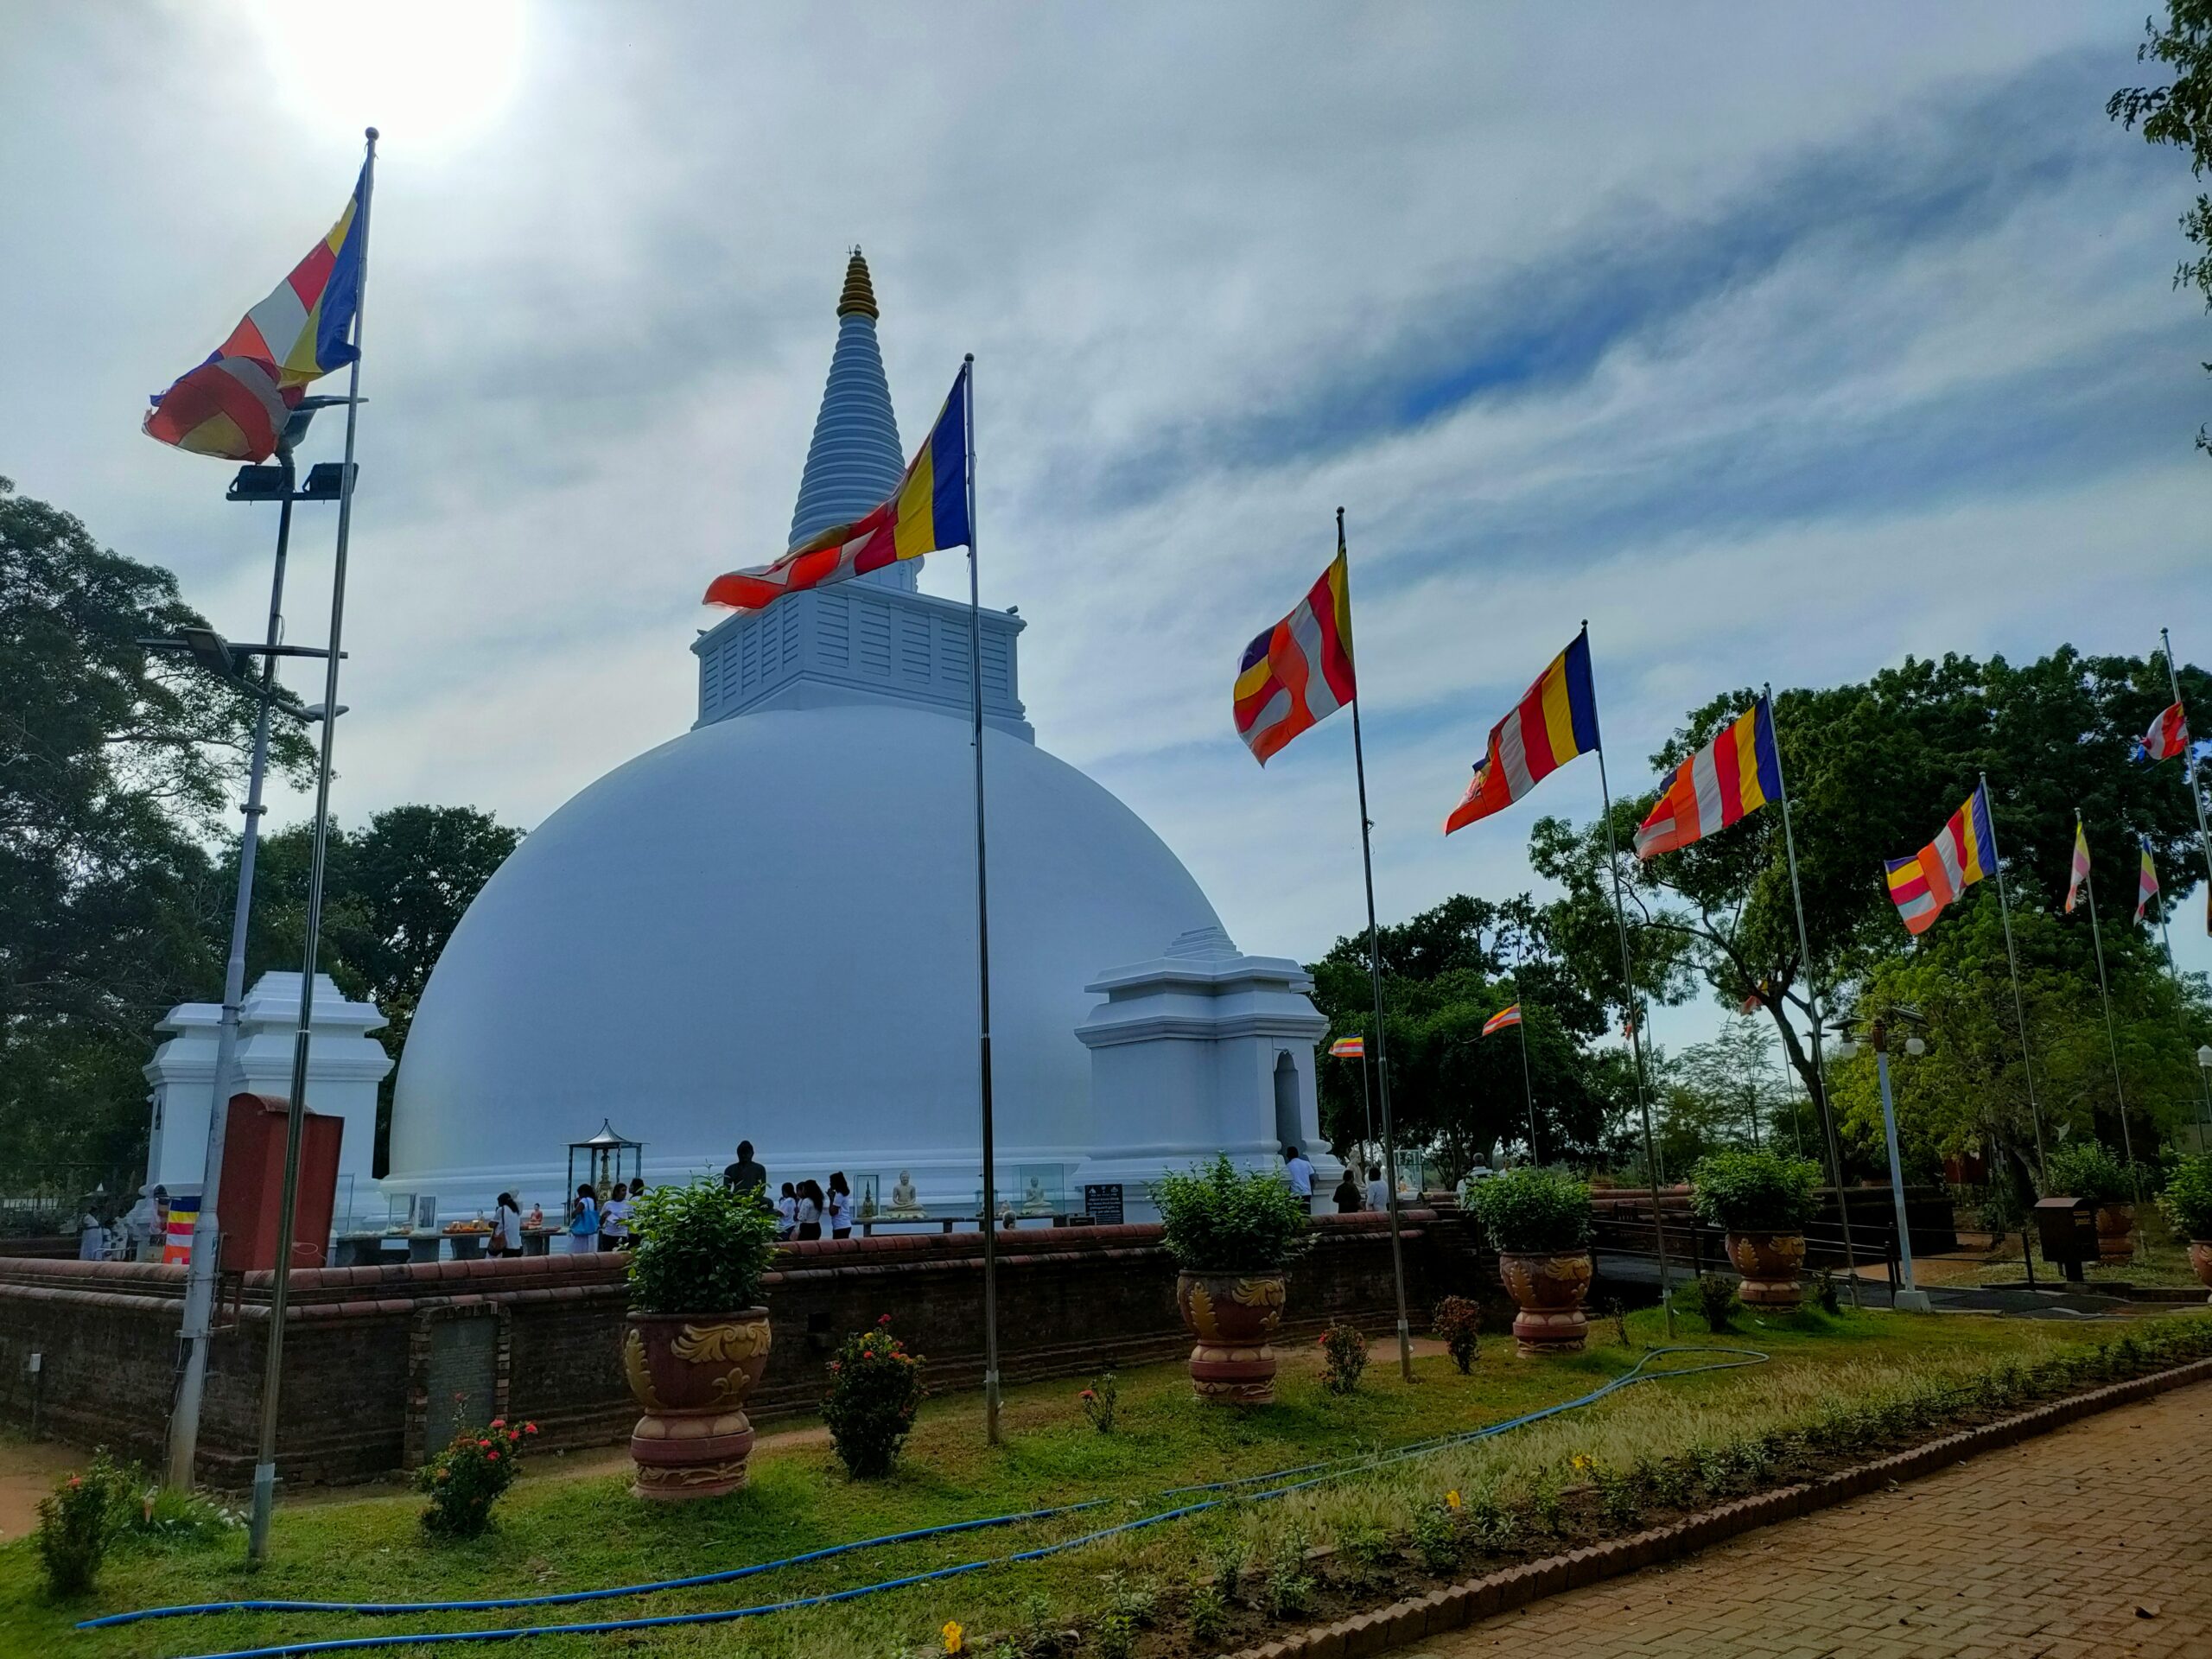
(432, 73)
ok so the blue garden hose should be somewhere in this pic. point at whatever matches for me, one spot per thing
(1316, 1474)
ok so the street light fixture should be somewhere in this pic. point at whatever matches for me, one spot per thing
(1909, 1298)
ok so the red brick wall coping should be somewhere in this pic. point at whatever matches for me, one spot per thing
(1463, 1604)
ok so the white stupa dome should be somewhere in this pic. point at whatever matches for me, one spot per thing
(765, 929)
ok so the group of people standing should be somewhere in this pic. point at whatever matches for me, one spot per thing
(591, 1224)
(804, 1209)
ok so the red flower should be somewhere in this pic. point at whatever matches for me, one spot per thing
(491, 1456)
(1086, 1395)
(499, 1422)
(530, 1428)
(483, 1445)
(884, 1319)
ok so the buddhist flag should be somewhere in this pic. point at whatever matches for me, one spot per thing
(1503, 1019)
(1299, 672)
(2168, 736)
(2146, 885)
(929, 513)
(1965, 852)
(2081, 872)
(1738, 772)
(1348, 1048)
(234, 406)
(1556, 720)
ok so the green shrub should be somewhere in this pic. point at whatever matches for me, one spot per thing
(1213, 1219)
(1755, 1191)
(1458, 1321)
(700, 1249)
(2084, 1169)
(1436, 1537)
(1208, 1614)
(1288, 1592)
(76, 1522)
(2188, 1198)
(1532, 1211)
(1344, 1356)
(466, 1479)
(1712, 1299)
(875, 1389)
(1102, 1401)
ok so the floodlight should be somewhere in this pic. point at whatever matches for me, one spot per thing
(213, 652)
(326, 480)
(257, 484)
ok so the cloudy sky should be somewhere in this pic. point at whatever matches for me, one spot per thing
(1779, 342)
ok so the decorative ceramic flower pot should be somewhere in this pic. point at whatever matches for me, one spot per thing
(1549, 1290)
(2199, 1257)
(1771, 1264)
(691, 1373)
(1232, 1315)
(2115, 1232)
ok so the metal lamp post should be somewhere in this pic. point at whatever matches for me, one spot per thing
(2204, 1064)
(1909, 1298)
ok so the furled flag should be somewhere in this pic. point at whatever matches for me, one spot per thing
(2146, 885)
(1348, 1048)
(1501, 1020)
(1299, 672)
(234, 406)
(1965, 852)
(2168, 736)
(1738, 772)
(928, 513)
(2081, 873)
(1555, 722)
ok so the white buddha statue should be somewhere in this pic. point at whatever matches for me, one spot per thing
(1033, 1201)
(903, 1201)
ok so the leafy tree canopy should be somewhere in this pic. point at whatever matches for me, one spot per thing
(115, 764)
(1874, 770)
(2180, 114)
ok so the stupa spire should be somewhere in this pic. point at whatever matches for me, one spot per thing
(856, 461)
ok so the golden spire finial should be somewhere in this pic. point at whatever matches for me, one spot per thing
(860, 293)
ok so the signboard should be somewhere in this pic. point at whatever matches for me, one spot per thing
(1102, 1204)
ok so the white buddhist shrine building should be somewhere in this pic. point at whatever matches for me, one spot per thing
(764, 929)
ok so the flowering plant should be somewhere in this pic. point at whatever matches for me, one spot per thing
(875, 1389)
(1344, 1356)
(1101, 1400)
(76, 1522)
(1459, 1321)
(468, 1477)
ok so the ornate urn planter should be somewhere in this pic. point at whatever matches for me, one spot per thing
(1232, 1315)
(1549, 1290)
(2115, 1232)
(2200, 1258)
(1771, 1264)
(690, 1373)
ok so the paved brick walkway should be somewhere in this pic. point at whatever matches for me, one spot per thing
(2049, 1547)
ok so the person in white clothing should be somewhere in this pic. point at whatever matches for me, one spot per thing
(1378, 1194)
(787, 1211)
(1299, 1169)
(841, 1206)
(506, 1226)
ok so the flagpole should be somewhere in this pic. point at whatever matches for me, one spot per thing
(2012, 963)
(1635, 1025)
(2189, 773)
(982, 940)
(1366, 1103)
(2111, 1030)
(1823, 1112)
(1382, 1044)
(1527, 1087)
(2166, 939)
(207, 1230)
(272, 1377)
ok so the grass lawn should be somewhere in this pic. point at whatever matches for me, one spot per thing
(560, 1531)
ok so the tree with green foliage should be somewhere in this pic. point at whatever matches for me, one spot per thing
(115, 764)
(1968, 1092)
(1874, 770)
(2180, 114)
(1453, 1090)
(392, 895)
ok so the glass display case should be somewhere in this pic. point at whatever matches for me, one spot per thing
(399, 1213)
(868, 1196)
(605, 1160)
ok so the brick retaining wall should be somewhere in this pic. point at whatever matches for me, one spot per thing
(1071, 1302)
